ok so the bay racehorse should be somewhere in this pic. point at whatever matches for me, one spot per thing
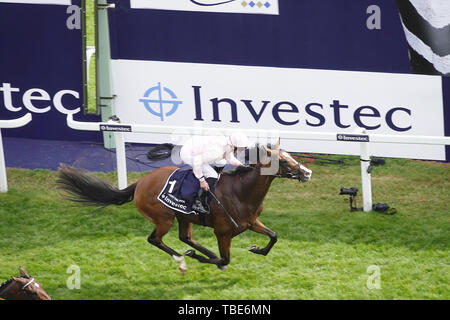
(23, 287)
(240, 192)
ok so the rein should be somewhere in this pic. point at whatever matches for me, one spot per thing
(287, 175)
(279, 175)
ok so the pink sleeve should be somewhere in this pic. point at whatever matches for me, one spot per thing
(229, 156)
(197, 166)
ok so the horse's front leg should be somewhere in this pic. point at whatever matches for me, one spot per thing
(261, 228)
(156, 239)
(224, 242)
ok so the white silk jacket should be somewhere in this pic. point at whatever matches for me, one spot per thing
(209, 150)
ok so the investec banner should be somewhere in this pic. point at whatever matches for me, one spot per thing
(315, 66)
(222, 96)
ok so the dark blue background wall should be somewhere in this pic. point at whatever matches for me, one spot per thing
(38, 51)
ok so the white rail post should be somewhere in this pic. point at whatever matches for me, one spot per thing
(3, 180)
(366, 177)
(15, 123)
(121, 161)
(120, 158)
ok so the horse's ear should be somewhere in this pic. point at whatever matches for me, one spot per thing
(23, 272)
(276, 146)
(268, 151)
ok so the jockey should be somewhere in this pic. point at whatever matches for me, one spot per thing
(204, 152)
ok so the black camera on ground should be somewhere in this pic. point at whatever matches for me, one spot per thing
(349, 191)
(352, 192)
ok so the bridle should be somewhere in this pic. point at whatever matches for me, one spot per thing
(280, 174)
(28, 283)
(288, 174)
(23, 288)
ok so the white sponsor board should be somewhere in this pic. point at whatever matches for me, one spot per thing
(225, 6)
(60, 2)
(244, 97)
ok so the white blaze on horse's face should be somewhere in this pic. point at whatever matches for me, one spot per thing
(287, 155)
(307, 173)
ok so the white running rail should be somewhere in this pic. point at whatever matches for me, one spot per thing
(6, 124)
(363, 138)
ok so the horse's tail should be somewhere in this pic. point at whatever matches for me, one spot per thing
(85, 188)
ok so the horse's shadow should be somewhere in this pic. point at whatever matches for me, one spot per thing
(162, 288)
(307, 225)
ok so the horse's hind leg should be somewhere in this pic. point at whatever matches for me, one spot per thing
(224, 248)
(224, 243)
(260, 228)
(185, 235)
(156, 239)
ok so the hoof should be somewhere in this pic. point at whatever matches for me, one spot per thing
(189, 253)
(258, 250)
(182, 271)
(182, 267)
(223, 268)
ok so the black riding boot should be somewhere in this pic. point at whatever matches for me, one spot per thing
(211, 182)
(200, 204)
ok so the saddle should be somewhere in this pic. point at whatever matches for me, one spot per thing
(180, 191)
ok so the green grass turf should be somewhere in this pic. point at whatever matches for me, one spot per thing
(323, 250)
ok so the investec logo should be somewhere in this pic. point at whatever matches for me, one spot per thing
(36, 100)
(162, 102)
(226, 6)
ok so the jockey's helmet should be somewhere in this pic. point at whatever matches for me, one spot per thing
(239, 140)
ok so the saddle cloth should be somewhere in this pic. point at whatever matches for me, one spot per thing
(180, 191)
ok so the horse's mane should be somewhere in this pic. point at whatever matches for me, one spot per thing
(243, 170)
(238, 171)
(4, 284)
(7, 282)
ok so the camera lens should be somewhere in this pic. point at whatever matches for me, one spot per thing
(350, 191)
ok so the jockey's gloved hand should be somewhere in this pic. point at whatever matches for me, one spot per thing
(204, 185)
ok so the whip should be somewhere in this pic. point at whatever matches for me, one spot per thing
(225, 210)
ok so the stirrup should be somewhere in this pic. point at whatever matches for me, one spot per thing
(199, 208)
